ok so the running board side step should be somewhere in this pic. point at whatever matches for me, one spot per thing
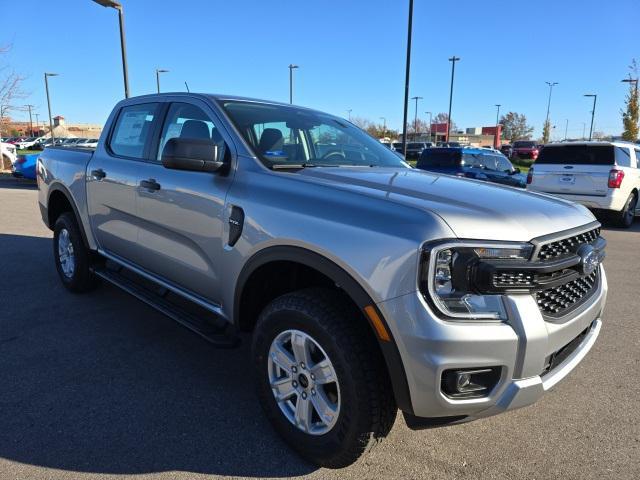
(220, 334)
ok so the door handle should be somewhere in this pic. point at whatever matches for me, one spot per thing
(98, 174)
(150, 184)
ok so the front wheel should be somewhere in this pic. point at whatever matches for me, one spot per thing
(321, 378)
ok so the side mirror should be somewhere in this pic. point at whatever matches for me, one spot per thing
(516, 170)
(194, 154)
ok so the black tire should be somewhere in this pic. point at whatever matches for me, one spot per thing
(624, 218)
(368, 408)
(81, 279)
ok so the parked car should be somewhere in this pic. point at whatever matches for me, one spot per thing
(476, 163)
(603, 176)
(507, 150)
(525, 149)
(25, 166)
(368, 286)
(26, 143)
(414, 149)
(87, 143)
(7, 154)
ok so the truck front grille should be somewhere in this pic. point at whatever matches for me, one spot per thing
(566, 246)
(558, 301)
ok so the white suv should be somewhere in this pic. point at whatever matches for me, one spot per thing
(602, 176)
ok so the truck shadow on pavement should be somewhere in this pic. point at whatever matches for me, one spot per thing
(101, 383)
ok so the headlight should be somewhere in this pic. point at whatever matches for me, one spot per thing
(448, 273)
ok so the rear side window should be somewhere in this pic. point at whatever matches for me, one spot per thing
(429, 158)
(577, 155)
(131, 130)
(475, 160)
(623, 157)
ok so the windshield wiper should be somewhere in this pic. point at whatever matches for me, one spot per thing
(291, 166)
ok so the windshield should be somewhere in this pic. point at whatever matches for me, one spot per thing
(282, 135)
(522, 144)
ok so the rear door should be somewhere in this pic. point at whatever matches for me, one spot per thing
(182, 217)
(112, 176)
(580, 169)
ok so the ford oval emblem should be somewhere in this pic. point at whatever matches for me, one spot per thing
(589, 259)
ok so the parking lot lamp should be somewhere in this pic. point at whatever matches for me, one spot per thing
(453, 61)
(37, 115)
(566, 129)
(384, 126)
(431, 127)
(593, 111)
(291, 68)
(158, 72)
(123, 43)
(631, 80)
(496, 137)
(46, 86)
(415, 119)
(406, 81)
(349, 113)
(551, 85)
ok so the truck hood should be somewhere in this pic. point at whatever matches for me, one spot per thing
(472, 209)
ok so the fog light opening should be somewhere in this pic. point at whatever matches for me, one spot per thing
(470, 383)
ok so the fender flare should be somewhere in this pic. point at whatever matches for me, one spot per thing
(353, 289)
(59, 187)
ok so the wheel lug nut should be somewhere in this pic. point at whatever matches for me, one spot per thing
(313, 391)
(304, 395)
(302, 365)
(294, 369)
(313, 377)
(294, 384)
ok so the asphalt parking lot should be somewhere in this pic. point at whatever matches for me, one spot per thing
(102, 386)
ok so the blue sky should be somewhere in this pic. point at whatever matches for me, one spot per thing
(351, 55)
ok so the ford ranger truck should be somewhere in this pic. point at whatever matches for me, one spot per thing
(364, 285)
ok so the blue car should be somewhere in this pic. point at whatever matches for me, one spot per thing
(478, 163)
(25, 166)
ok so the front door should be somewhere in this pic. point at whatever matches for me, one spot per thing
(112, 178)
(181, 213)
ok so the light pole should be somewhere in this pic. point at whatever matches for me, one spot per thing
(584, 126)
(431, 127)
(349, 113)
(415, 119)
(593, 112)
(406, 80)
(37, 122)
(453, 61)
(291, 68)
(46, 86)
(30, 120)
(566, 129)
(158, 72)
(551, 85)
(496, 137)
(123, 43)
(384, 126)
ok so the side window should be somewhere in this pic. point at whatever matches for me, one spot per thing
(132, 130)
(188, 121)
(623, 157)
(503, 164)
(279, 142)
(637, 152)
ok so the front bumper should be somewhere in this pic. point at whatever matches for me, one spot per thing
(429, 345)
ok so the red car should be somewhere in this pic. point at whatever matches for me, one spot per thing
(525, 149)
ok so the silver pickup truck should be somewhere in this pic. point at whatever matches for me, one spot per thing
(367, 286)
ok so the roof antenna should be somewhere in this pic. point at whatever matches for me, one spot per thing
(187, 85)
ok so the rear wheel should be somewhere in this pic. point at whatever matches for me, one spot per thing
(624, 218)
(321, 378)
(71, 256)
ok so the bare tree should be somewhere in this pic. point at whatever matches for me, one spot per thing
(10, 88)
